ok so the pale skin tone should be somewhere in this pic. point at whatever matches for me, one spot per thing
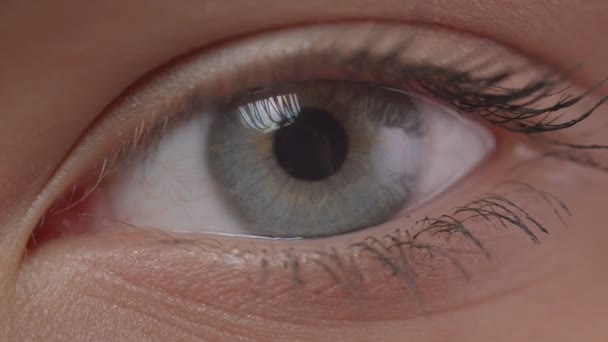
(63, 62)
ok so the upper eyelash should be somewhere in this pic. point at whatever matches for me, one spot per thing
(484, 95)
(499, 105)
(510, 108)
(477, 90)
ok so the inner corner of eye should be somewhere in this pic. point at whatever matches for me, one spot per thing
(309, 160)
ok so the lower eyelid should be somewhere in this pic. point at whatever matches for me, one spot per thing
(351, 273)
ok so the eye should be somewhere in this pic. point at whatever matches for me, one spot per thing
(397, 157)
(304, 160)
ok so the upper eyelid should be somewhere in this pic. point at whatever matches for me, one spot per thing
(372, 48)
(184, 69)
(192, 77)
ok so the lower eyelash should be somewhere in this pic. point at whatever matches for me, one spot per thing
(400, 253)
(494, 209)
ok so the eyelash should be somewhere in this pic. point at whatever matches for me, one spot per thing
(478, 92)
(396, 252)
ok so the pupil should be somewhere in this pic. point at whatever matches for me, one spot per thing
(313, 147)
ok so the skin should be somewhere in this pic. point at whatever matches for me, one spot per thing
(63, 62)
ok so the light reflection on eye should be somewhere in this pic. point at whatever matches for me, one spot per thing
(305, 160)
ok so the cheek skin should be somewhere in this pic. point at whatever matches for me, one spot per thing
(181, 292)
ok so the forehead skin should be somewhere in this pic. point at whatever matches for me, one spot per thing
(63, 61)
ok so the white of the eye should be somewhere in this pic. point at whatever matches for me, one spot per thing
(455, 147)
(170, 188)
